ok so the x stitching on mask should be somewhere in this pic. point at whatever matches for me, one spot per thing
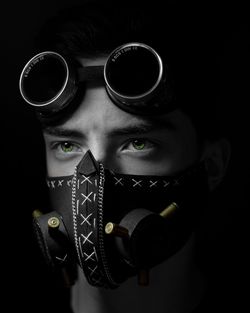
(86, 219)
(153, 183)
(86, 198)
(89, 256)
(62, 259)
(86, 238)
(118, 181)
(92, 270)
(86, 179)
(137, 182)
(166, 183)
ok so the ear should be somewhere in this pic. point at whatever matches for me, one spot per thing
(216, 156)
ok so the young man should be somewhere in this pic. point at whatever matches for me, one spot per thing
(133, 150)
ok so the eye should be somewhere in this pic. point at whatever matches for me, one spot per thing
(66, 146)
(138, 144)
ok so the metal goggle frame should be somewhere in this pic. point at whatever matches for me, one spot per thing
(134, 77)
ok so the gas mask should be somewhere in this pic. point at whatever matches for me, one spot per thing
(115, 226)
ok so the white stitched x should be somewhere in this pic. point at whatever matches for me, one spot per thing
(89, 257)
(92, 270)
(85, 219)
(137, 183)
(52, 184)
(86, 198)
(86, 238)
(153, 183)
(62, 259)
(86, 179)
(60, 182)
(118, 181)
(166, 183)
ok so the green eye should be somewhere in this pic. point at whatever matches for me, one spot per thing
(138, 144)
(67, 147)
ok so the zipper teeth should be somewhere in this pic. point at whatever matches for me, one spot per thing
(74, 181)
(100, 227)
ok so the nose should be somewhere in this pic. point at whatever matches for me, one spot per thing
(103, 153)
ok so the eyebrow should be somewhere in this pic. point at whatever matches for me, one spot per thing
(140, 128)
(60, 131)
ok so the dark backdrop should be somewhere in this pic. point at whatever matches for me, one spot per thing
(27, 283)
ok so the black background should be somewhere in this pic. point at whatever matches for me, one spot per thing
(25, 281)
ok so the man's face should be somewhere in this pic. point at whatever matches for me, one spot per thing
(124, 143)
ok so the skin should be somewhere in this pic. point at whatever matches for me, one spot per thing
(123, 142)
(132, 144)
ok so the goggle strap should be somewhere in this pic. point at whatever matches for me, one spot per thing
(90, 73)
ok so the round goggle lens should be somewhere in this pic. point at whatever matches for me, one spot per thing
(132, 71)
(43, 78)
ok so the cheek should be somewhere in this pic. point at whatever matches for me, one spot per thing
(57, 168)
(167, 162)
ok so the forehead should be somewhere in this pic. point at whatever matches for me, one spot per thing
(98, 116)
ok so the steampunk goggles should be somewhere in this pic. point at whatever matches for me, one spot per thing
(134, 77)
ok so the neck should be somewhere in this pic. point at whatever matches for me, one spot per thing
(176, 286)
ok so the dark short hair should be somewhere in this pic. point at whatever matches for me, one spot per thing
(188, 42)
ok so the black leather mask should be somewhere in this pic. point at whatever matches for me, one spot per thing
(116, 226)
